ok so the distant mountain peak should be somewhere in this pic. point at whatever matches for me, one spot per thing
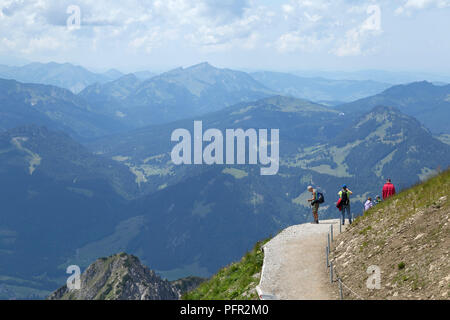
(418, 85)
(282, 99)
(202, 65)
(113, 73)
(388, 124)
(423, 100)
(119, 277)
(129, 76)
(197, 67)
(64, 75)
(385, 109)
(291, 104)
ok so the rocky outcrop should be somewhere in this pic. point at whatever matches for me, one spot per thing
(119, 277)
(187, 284)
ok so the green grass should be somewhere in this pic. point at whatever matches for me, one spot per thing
(420, 211)
(422, 195)
(365, 230)
(234, 282)
(236, 173)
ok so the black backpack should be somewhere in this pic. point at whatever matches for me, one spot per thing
(344, 197)
(319, 197)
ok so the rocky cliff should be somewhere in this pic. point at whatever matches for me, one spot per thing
(119, 277)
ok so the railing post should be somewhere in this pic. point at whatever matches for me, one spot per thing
(331, 232)
(331, 272)
(329, 243)
(340, 289)
(340, 226)
(327, 250)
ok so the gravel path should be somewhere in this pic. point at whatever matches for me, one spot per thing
(294, 263)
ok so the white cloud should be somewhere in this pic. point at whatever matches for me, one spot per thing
(312, 18)
(313, 4)
(413, 5)
(351, 46)
(148, 41)
(143, 25)
(314, 23)
(355, 38)
(44, 43)
(134, 29)
(295, 41)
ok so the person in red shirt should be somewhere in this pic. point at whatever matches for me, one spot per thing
(388, 189)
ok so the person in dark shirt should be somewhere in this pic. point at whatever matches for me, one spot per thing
(344, 195)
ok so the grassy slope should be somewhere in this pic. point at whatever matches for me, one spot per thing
(408, 237)
(234, 282)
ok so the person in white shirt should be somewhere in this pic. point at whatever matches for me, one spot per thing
(368, 204)
(314, 204)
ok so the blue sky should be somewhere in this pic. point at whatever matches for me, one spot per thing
(246, 34)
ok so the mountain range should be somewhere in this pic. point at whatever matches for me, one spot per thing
(394, 77)
(427, 102)
(173, 95)
(54, 107)
(126, 195)
(318, 89)
(141, 99)
(89, 175)
(318, 146)
(68, 76)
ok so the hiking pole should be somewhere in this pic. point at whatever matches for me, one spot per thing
(340, 227)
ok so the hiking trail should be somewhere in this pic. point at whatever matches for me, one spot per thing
(295, 263)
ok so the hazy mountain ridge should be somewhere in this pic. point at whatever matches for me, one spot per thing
(109, 98)
(319, 89)
(26, 104)
(177, 94)
(58, 152)
(429, 103)
(394, 77)
(69, 76)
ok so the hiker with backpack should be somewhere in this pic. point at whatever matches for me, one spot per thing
(316, 200)
(344, 203)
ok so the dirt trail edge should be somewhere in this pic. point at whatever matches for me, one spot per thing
(294, 264)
